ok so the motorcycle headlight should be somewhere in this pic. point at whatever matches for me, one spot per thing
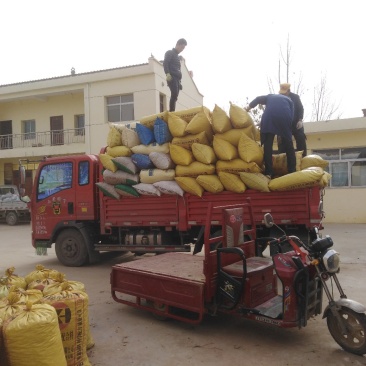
(331, 261)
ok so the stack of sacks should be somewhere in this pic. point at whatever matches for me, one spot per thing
(153, 158)
(196, 151)
(119, 173)
(191, 149)
(45, 286)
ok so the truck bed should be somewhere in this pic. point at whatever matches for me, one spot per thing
(288, 207)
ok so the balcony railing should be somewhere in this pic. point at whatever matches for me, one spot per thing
(38, 139)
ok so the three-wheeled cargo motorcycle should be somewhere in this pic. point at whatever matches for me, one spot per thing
(284, 289)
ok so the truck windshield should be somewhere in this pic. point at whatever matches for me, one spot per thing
(54, 178)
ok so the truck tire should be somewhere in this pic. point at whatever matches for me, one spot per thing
(71, 248)
(11, 218)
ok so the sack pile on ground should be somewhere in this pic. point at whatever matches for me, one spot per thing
(194, 151)
(44, 320)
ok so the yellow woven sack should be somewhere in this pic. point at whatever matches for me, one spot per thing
(177, 126)
(249, 150)
(114, 137)
(188, 140)
(325, 180)
(156, 175)
(190, 185)
(203, 153)
(220, 120)
(41, 283)
(210, 183)
(239, 117)
(194, 170)
(14, 280)
(147, 149)
(180, 155)
(201, 122)
(73, 318)
(60, 283)
(313, 160)
(118, 151)
(224, 150)
(279, 162)
(256, 181)
(39, 273)
(31, 295)
(232, 182)
(33, 338)
(10, 306)
(188, 114)
(149, 121)
(107, 162)
(233, 135)
(4, 289)
(304, 178)
(236, 166)
(56, 287)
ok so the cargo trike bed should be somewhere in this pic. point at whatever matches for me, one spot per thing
(162, 284)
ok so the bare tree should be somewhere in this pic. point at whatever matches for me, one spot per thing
(283, 73)
(323, 108)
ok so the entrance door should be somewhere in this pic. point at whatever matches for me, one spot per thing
(57, 130)
(6, 135)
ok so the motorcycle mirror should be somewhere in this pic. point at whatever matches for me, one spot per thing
(268, 220)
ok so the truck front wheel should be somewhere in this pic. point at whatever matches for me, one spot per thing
(71, 248)
(11, 218)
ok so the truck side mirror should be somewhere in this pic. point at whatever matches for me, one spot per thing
(268, 220)
(22, 174)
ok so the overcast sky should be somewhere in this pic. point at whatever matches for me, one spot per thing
(233, 46)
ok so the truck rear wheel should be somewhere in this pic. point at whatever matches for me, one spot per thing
(11, 218)
(71, 248)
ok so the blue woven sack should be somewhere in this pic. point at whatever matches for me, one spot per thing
(146, 135)
(142, 161)
(161, 132)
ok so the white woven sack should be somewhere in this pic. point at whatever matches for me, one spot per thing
(169, 187)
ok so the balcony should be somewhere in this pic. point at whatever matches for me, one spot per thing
(39, 139)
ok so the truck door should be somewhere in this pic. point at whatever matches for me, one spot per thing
(85, 190)
(54, 197)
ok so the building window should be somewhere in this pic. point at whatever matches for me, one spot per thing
(162, 102)
(80, 125)
(29, 129)
(120, 108)
(347, 166)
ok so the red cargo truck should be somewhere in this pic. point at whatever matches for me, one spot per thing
(69, 210)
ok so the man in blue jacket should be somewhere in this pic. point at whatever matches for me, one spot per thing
(172, 70)
(276, 120)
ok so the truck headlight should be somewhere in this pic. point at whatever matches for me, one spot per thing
(331, 261)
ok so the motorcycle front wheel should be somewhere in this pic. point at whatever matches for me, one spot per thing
(354, 340)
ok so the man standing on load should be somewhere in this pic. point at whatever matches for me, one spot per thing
(276, 120)
(172, 71)
(297, 124)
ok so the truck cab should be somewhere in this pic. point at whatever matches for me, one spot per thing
(64, 197)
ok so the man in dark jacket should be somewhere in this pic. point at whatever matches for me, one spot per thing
(172, 71)
(297, 124)
(276, 120)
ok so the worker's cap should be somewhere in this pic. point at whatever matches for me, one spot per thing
(284, 88)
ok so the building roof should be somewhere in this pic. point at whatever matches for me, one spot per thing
(76, 74)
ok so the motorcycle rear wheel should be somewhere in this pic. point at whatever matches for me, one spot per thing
(354, 341)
